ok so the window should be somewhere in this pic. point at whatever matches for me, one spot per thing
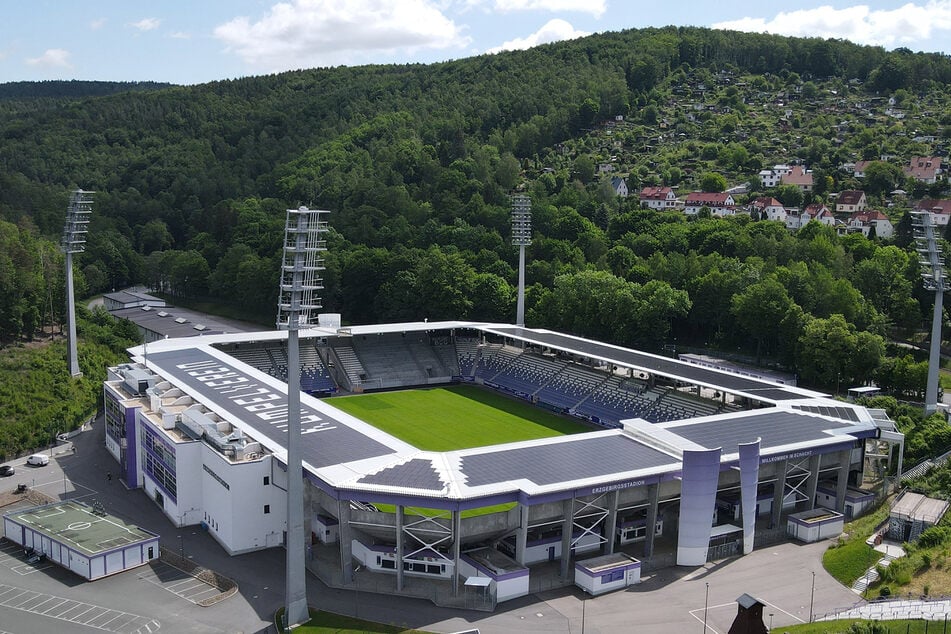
(616, 575)
(267, 480)
(267, 509)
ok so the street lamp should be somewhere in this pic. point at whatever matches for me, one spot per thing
(706, 600)
(770, 622)
(356, 596)
(812, 597)
(181, 546)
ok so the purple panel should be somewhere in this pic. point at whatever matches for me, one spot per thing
(698, 495)
(749, 479)
(131, 450)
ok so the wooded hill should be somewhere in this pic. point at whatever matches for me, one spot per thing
(416, 163)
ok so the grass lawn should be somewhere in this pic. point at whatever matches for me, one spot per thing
(329, 623)
(849, 561)
(842, 627)
(458, 417)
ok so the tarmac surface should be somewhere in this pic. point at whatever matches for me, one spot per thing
(787, 578)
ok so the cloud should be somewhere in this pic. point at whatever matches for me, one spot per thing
(883, 27)
(51, 58)
(181, 35)
(146, 24)
(97, 24)
(554, 31)
(594, 7)
(306, 33)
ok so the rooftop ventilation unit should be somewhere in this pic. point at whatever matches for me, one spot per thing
(180, 320)
(162, 313)
(146, 308)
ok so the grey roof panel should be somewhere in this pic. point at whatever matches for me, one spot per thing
(563, 461)
(417, 473)
(265, 408)
(845, 413)
(776, 428)
(651, 363)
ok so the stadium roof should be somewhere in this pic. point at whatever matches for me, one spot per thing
(343, 454)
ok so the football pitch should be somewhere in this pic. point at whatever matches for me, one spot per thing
(458, 417)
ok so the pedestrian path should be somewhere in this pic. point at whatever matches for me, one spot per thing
(890, 552)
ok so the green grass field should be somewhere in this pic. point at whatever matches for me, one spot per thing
(458, 417)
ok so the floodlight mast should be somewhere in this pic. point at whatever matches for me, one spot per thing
(521, 237)
(74, 241)
(304, 245)
(933, 276)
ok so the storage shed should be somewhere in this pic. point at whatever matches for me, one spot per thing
(912, 513)
(81, 538)
(607, 573)
(814, 525)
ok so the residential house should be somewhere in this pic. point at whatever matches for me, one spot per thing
(850, 201)
(940, 210)
(658, 198)
(926, 169)
(863, 221)
(798, 177)
(772, 177)
(859, 171)
(619, 185)
(719, 203)
(768, 208)
(816, 211)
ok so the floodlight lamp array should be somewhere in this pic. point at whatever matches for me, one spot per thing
(301, 281)
(521, 221)
(77, 221)
(930, 256)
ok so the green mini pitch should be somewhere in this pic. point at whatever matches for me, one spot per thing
(81, 527)
(458, 417)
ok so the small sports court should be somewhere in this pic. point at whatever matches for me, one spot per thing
(83, 538)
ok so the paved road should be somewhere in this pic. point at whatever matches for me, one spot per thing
(672, 600)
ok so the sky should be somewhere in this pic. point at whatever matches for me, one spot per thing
(197, 41)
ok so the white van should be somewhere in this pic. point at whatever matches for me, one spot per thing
(38, 460)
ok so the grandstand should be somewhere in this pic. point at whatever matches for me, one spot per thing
(660, 431)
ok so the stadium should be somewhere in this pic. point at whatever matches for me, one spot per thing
(472, 463)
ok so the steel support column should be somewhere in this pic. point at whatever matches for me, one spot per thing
(399, 547)
(779, 491)
(842, 482)
(813, 482)
(652, 497)
(566, 529)
(521, 535)
(610, 523)
(346, 540)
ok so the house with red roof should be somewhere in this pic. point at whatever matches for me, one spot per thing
(719, 203)
(816, 211)
(926, 169)
(658, 198)
(768, 208)
(799, 177)
(863, 221)
(850, 201)
(940, 210)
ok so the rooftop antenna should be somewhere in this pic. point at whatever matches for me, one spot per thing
(74, 241)
(933, 276)
(304, 244)
(521, 237)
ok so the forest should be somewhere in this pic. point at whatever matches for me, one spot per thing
(417, 162)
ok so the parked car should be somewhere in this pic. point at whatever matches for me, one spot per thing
(6, 470)
(38, 460)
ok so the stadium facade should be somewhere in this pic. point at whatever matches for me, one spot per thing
(691, 459)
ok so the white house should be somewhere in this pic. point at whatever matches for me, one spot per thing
(619, 185)
(658, 198)
(719, 203)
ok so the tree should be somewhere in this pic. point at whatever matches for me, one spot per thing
(712, 182)
(881, 177)
(757, 311)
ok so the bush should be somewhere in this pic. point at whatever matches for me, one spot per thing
(884, 591)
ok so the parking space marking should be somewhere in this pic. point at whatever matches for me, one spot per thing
(101, 618)
(178, 582)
